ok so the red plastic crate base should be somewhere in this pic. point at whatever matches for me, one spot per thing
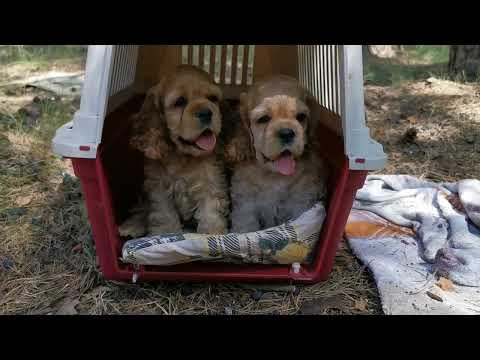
(108, 243)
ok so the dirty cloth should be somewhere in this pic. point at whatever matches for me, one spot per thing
(60, 85)
(412, 233)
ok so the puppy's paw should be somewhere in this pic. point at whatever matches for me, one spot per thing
(134, 227)
(218, 227)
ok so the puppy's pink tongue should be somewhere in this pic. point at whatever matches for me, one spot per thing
(207, 142)
(286, 165)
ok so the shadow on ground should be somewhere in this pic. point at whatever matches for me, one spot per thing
(428, 134)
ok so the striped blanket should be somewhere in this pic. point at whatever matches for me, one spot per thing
(289, 243)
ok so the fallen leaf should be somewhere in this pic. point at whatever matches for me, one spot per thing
(77, 248)
(445, 284)
(434, 296)
(455, 201)
(24, 200)
(361, 305)
(412, 120)
(67, 307)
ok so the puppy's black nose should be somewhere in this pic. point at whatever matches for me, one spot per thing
(286, 136)
(205, 116)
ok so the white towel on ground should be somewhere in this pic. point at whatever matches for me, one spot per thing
(409, 232)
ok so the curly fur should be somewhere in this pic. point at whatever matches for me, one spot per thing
(183, 182)
(261, 197)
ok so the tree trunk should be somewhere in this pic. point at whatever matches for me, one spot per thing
(464, 62)
(384, 51)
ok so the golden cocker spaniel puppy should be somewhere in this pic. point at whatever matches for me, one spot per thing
(277, 175)
(178, 131)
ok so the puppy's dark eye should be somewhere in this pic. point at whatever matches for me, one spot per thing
(301, 117)
(263, 120)
(213, 98)
(181, 102)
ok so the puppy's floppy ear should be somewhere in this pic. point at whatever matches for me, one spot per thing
(149, 129)
(153, 99)
(240, 146)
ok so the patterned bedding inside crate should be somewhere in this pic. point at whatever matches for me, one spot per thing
(292, 242)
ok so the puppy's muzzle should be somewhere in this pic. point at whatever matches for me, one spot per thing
(286, 136)
(204, 116)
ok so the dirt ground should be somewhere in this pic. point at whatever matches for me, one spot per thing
(430, 129)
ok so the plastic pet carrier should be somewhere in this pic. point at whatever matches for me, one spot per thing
(111, 173)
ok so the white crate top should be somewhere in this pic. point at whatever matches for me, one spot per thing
(332, 73)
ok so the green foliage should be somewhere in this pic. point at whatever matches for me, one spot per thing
(417, 62)
(39, 53)
(428, 54)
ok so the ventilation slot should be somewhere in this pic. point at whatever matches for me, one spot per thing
(228, 64)
(319, 72)
(123, 68)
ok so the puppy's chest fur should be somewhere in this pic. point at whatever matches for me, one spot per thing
(185, 180)
(274, 198)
